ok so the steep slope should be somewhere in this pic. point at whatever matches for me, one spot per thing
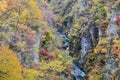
(93, 30)
(62, 39)
(26, 27)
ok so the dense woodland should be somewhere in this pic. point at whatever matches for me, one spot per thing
(59, 39)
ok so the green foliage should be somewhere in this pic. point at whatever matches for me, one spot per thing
(48, 37)
(101, 10)
(77, 22)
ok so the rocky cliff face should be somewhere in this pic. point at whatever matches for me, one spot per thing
(92, 27)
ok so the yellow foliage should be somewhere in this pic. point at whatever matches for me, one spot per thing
(106, 8)
(96, 1)
(10, 68)
(31, 74)
(94, 74)
(24, 16)
(3, 6)
(97, 20)
(77, 23)
(104, 50)
(21, 44)
(46, 70)
(54, 66)
(82, 18)
(95, 50)
(118, 0)
(35, 9)
(103, 42)
(116, 41)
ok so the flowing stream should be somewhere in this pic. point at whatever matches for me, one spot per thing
(77, 72)
(86, 45)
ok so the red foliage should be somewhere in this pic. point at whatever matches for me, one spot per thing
(118, 19)
(44, 52)
(115, 50)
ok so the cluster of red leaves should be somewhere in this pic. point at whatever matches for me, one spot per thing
(46, 53)
(118, 19)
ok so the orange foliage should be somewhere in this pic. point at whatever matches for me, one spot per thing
(54, 57)
(44, 52)
(116, 50)
(3, 5)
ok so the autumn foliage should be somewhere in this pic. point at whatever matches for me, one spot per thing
(118, 19)
(10, 68)
(47, 53)
(44, 52)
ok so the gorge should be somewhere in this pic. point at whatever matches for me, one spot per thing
(60, 40)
